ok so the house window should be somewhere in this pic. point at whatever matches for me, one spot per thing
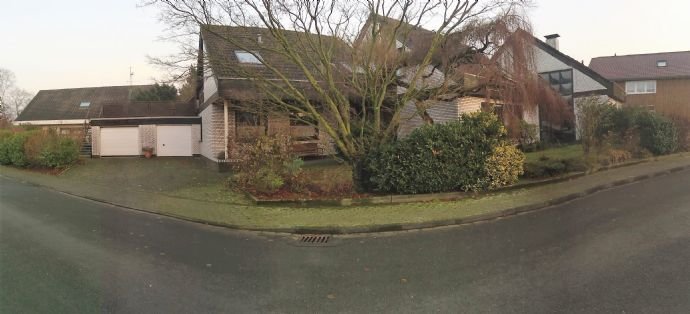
(662, 63)
(561, 81)
(640, 87)
(301, 119)
(248, 119)
(84, 104)
(248, 57)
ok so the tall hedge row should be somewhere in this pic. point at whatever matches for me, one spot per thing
(469, 154)
(37, 149)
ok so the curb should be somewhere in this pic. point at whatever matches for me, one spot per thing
(402, 226)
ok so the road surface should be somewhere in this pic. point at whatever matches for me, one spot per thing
(625, 250)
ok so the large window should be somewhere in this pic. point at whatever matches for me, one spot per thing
(561, 81)
(640, 87)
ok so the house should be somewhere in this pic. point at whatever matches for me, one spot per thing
(111, 124)
(573, 80)
(657, 81)
(232, 61)
(466, 80)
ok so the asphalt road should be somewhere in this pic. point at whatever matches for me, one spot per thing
(625, 250)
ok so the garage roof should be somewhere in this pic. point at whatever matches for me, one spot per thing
(99, 102)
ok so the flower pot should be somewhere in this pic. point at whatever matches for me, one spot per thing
(148, 154)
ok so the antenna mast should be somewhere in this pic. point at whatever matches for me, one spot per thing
(131, 75)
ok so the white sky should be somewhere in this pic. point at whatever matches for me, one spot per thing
(51, 44)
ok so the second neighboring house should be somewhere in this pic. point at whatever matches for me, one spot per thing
(111, 124)
(572, 79)
(657, 81)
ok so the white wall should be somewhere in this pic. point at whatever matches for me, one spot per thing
(212, 131)
(547, 63)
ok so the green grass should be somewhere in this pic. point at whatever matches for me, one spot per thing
(328, 172)
(188, 178)
(563, 152)
(272, 217)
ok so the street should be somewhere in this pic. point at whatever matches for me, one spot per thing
(624, 250)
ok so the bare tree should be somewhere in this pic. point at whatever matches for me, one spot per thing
(7, 81)
(12, 98)
(362, 61)
(17, 99)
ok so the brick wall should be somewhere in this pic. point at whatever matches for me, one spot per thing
(212, 131)
(196, 139)
(95, 141)
(147, 136)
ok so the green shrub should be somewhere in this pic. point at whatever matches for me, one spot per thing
(547, 167)
(15, 149)
(5, 137)
(38, 149)
(657, 133)
(437, 158)
(59, 152)
(504, 166)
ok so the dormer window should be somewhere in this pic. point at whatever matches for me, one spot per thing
(84, 104)
(248, 57)
(661, 63)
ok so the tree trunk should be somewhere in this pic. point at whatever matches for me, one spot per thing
(361, 177)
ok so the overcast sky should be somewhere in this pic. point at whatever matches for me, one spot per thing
(51, 44)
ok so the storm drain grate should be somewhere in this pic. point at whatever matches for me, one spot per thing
(315, 239)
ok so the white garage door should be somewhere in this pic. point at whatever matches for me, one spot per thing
(174, 140)
(120, 141)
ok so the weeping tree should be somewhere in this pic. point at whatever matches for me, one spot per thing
(361, 63)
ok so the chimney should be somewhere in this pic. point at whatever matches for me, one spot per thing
(552, 40)
(258, 39)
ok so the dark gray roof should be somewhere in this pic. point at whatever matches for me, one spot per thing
(221, 42)
(643, 66)
(137, 109)
(64, 104)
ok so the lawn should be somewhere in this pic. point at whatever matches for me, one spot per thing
(557, 153)
(188, 178)
(84, 180)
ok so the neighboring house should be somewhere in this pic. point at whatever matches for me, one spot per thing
(113, 125)
(573, 80)
(468, 71)
(657, 81)
(228, 88)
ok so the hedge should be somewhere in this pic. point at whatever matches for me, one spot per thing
(37, 149)
(454, 156)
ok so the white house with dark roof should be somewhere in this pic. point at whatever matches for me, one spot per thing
(111, 124)
(572, 79)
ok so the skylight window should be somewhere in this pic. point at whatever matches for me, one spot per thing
(84, 104)
(248, 57)
(662, 63)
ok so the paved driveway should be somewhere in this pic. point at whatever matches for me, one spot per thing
(622, 250)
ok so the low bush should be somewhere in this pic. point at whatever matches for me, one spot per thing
(547, 167)
(267, 165)
(504, 166)
(657, 133)
(614, 156)
(456, 156)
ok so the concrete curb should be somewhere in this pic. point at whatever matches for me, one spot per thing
(402, 226)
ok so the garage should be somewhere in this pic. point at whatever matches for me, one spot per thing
(120, 141)
(167, 136)
(174, 140)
